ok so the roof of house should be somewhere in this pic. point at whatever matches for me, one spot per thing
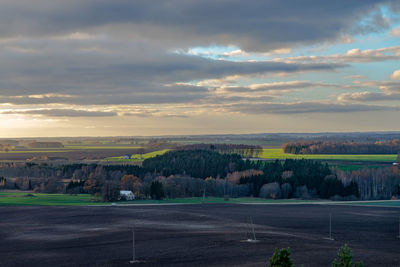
(125, 192)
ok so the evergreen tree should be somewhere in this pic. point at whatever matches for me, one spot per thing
(110, 191)
(157, 190)
(281, 258)
(345, 256)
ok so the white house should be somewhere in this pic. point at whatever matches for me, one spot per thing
(128, 195)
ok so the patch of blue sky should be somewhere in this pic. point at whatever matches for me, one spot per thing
(379, 71)
(212, 52)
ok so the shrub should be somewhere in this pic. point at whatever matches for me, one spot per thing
(302, 192)
(271, 190)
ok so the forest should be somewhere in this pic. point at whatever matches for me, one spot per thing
(346, 147)
(192, 173)
(247, 151)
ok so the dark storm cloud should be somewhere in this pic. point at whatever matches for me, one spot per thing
(125, 76)
(113, 96)
(252, 24)
(101, 52)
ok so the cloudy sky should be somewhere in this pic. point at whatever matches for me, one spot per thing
(139, 67)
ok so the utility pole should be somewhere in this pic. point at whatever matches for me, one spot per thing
(133, 247)
(399, 229)
(252, 226)
(330, 226)
(250, 232)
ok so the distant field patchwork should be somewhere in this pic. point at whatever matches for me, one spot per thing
(102, 147)
(138, 157)
(68, 148)
(272, 153)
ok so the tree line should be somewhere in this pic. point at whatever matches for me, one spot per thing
(246, 151)
(345, 147)
(196, 163)
(297, 178)
(374, 183)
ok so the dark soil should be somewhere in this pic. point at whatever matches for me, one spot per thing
(195, 235)
(69, 154)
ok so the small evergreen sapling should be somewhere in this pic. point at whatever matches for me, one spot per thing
(345, 258)
(281, 258)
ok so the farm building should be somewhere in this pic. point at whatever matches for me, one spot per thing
(127, 156)
(127, 194)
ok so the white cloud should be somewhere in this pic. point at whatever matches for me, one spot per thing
(395, 32)
(356, 77)
(395, 75)
(352, 55)
(80, 36)
(236, 53)
(368, 97)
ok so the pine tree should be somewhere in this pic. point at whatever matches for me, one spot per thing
(345, 258)
(281, 258)
(157, 190)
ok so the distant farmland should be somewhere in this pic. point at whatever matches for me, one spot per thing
(102, 147)
(42, 199)
(113, 153)
(277, 153)
(138, 157)
(272, 153)
(71, 152)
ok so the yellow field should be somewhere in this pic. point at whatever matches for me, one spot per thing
(137, 157)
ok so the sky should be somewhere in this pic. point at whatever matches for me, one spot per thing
(177, 67)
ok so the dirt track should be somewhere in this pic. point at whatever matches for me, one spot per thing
(195, 235)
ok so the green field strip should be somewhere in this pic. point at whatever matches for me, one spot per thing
(272, 153)
(138, 157)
